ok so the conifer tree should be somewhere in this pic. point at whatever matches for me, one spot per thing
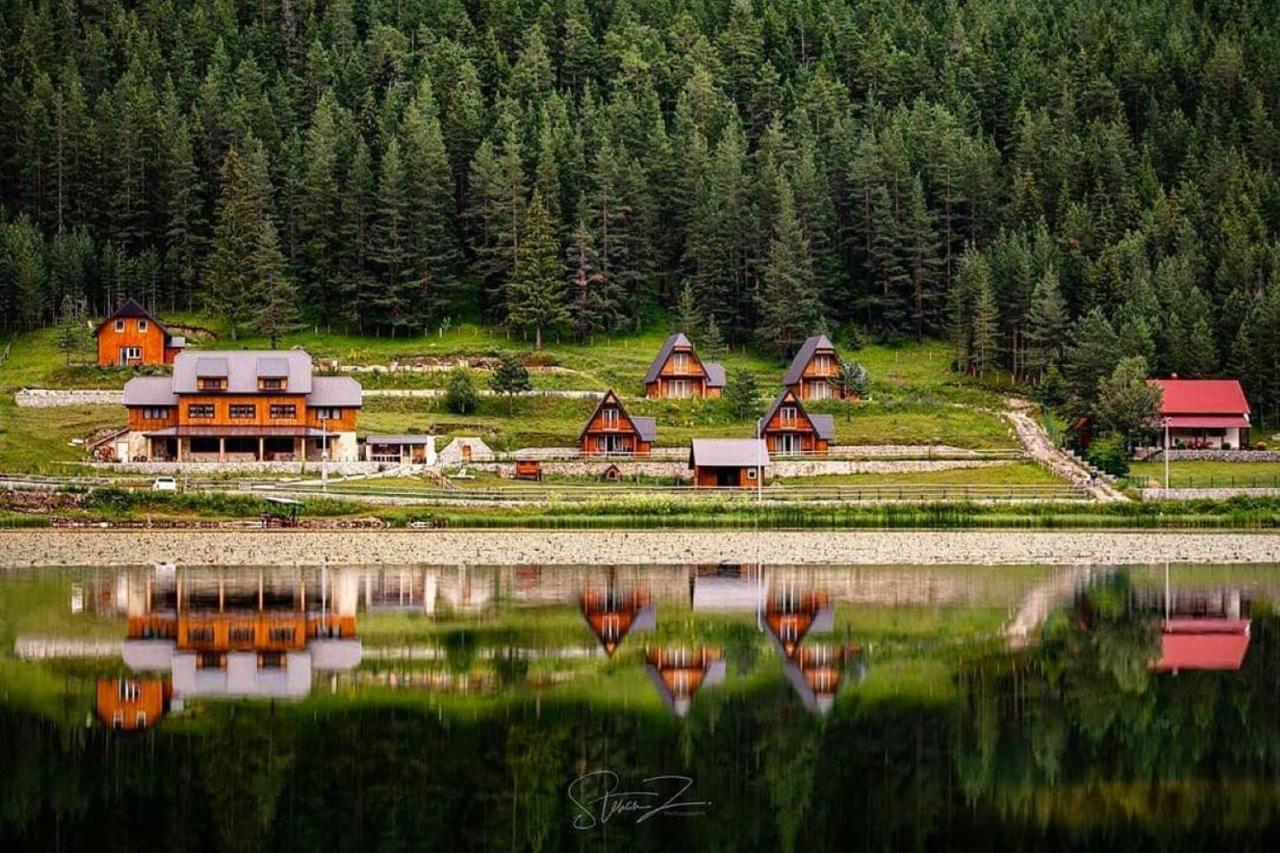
(590, 299)
(536, 294)
(242, 232)
(394, 304)
(1046, 324)
(790, 309)
(277, 313)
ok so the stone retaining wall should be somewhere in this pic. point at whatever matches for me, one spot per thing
(46, 398)
(679, 468)
(1215, 456)
(336, 469)
(1216, 494)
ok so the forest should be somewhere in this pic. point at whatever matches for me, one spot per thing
(1053, 186)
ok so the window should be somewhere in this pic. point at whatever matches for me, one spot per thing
(243, 410)
(282, 635)
(141, 720)
(679, 388)
(199, 410)
(270, 660)
(210, 660)
(787, 414)
(142, 325)
(241, 635)
(119, 325)
(751, 473)
(822, 363)
(271, 383)
(283, 410)
(155, 413)
(327, 414)
(819, 391)
(129, 690)
(128, 355)
(610, 417)
(200, 635)
(682, 362)
(211, 383)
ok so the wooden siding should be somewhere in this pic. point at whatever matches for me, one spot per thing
(625, 430)
(709, 478)
(694, 373)
(151, 342)
(813, 373)
(150, 702)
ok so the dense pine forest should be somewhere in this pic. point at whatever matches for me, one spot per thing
(1055, 185)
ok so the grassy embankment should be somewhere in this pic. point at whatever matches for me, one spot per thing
(915, 398)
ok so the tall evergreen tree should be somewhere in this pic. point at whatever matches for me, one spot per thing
(536, 294)
(790, 307)
(1046, 325)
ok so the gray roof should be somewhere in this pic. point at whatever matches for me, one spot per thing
(131, 308)
(728, 453)
(715, 373)
(399, 439)
(150, 391)
(672, 341)
(340, 391)
(177, 341)
(273, 367)
(807, 349)
(241, 369)
(823, 425)
(646, 428)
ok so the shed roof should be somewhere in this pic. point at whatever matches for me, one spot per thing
(1201, 397)
(240, 367)
(728, 453)
(804, 356)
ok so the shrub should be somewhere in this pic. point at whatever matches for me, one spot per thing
(1110, 453)
(461, 396)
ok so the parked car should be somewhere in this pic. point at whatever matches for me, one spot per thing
(164, 484)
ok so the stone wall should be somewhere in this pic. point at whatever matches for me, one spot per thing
(336, 469)
(46, 398)
(1218, 494)
(1214, 456)
(679, 468)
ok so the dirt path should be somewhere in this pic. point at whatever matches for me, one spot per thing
(1042, 449)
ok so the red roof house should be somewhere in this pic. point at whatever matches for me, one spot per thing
(1207, 644)
(1204, 413)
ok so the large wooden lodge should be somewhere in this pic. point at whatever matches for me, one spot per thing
(241, 406)
(678, 373)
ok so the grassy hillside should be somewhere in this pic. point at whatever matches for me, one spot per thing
(915, 399)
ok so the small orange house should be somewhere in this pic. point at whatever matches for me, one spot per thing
(814, 373)
(131, 337)
(611, 431)
(787, 428)
(728, 463)
(679, 673)
(131, 704)
(611, 614)
(678, 373)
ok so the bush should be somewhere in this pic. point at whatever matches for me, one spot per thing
(1110, 453)
(461, 396)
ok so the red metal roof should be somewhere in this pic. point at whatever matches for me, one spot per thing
(1212, 644)
(1208, 421)
(1202, 397)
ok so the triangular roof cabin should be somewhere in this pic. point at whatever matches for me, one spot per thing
(815, 372)
(612, 430)
(679, 673)
(677, 372)
(788, 428)
(612, 614)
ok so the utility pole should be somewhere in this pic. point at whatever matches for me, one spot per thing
(1166, 455)
(324, 454)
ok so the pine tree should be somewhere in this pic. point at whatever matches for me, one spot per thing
(536, 294)
(921, 248)
(590, 302)
(393, 304)
(742, 394)
(687, 317)
(433, 248)
(1090, 355)
(1046, 324)
(277, 313)
(510, 377)
(239, 233)
(320, 211)
(986, 327)
(71, 327)
(790, 308)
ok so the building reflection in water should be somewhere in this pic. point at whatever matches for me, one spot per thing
(217, 634)
(613, 611)
(679, 673)
(1201, 628)
(792, 613)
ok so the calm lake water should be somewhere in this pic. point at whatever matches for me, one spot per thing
(732, 707)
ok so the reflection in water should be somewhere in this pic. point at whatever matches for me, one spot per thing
(901, 708)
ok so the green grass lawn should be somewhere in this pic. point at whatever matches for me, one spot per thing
(1011, 474)
(1209, 474)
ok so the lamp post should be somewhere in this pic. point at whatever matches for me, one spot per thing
(759, 465)
(1165, 421)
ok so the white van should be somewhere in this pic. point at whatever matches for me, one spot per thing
(164, 484)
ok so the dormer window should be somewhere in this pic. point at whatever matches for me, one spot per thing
(271, 383)
(211, 383)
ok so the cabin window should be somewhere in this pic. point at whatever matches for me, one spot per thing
(199, 410)
(141, 720)
(244, 410)
(751, 473)
(155, 413)
(142, 325)
(788, 414)
(270, 660)
(327, 414)
(241, 635)
(679, 389)
(819, 391)
(210, 660)
(117, 720)
(119, 325)
(822, 363)
(200, 635)
(283, 410)
(610, 417)
(129, 690)
(271, 383)
(211, 383)
(682, 362)
(282, 635)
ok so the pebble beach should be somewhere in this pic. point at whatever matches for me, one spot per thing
(43, 547)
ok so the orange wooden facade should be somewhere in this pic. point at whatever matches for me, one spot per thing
(181, 415)
(820, 378)
(790, 430)
(790, 617)
(610, 614)
(146, 336)
(612, 431)
(131, 704)
(724, 478)
(682, 375)
(528, 469)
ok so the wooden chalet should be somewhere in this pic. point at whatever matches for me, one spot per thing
(131, 704)
(791, 614)
(679, 673)
(242, 406)
(728, 463)
(610, 431)
(817, 672)
(815, 372)
(131, 337)
(678, 373)
(788, 429)
(611, 614)
(1204, 413)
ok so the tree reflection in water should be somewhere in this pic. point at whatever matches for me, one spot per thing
(1074, 740)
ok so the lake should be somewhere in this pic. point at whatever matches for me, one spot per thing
(704, 707)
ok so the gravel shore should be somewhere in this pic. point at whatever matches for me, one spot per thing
(24, 548)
